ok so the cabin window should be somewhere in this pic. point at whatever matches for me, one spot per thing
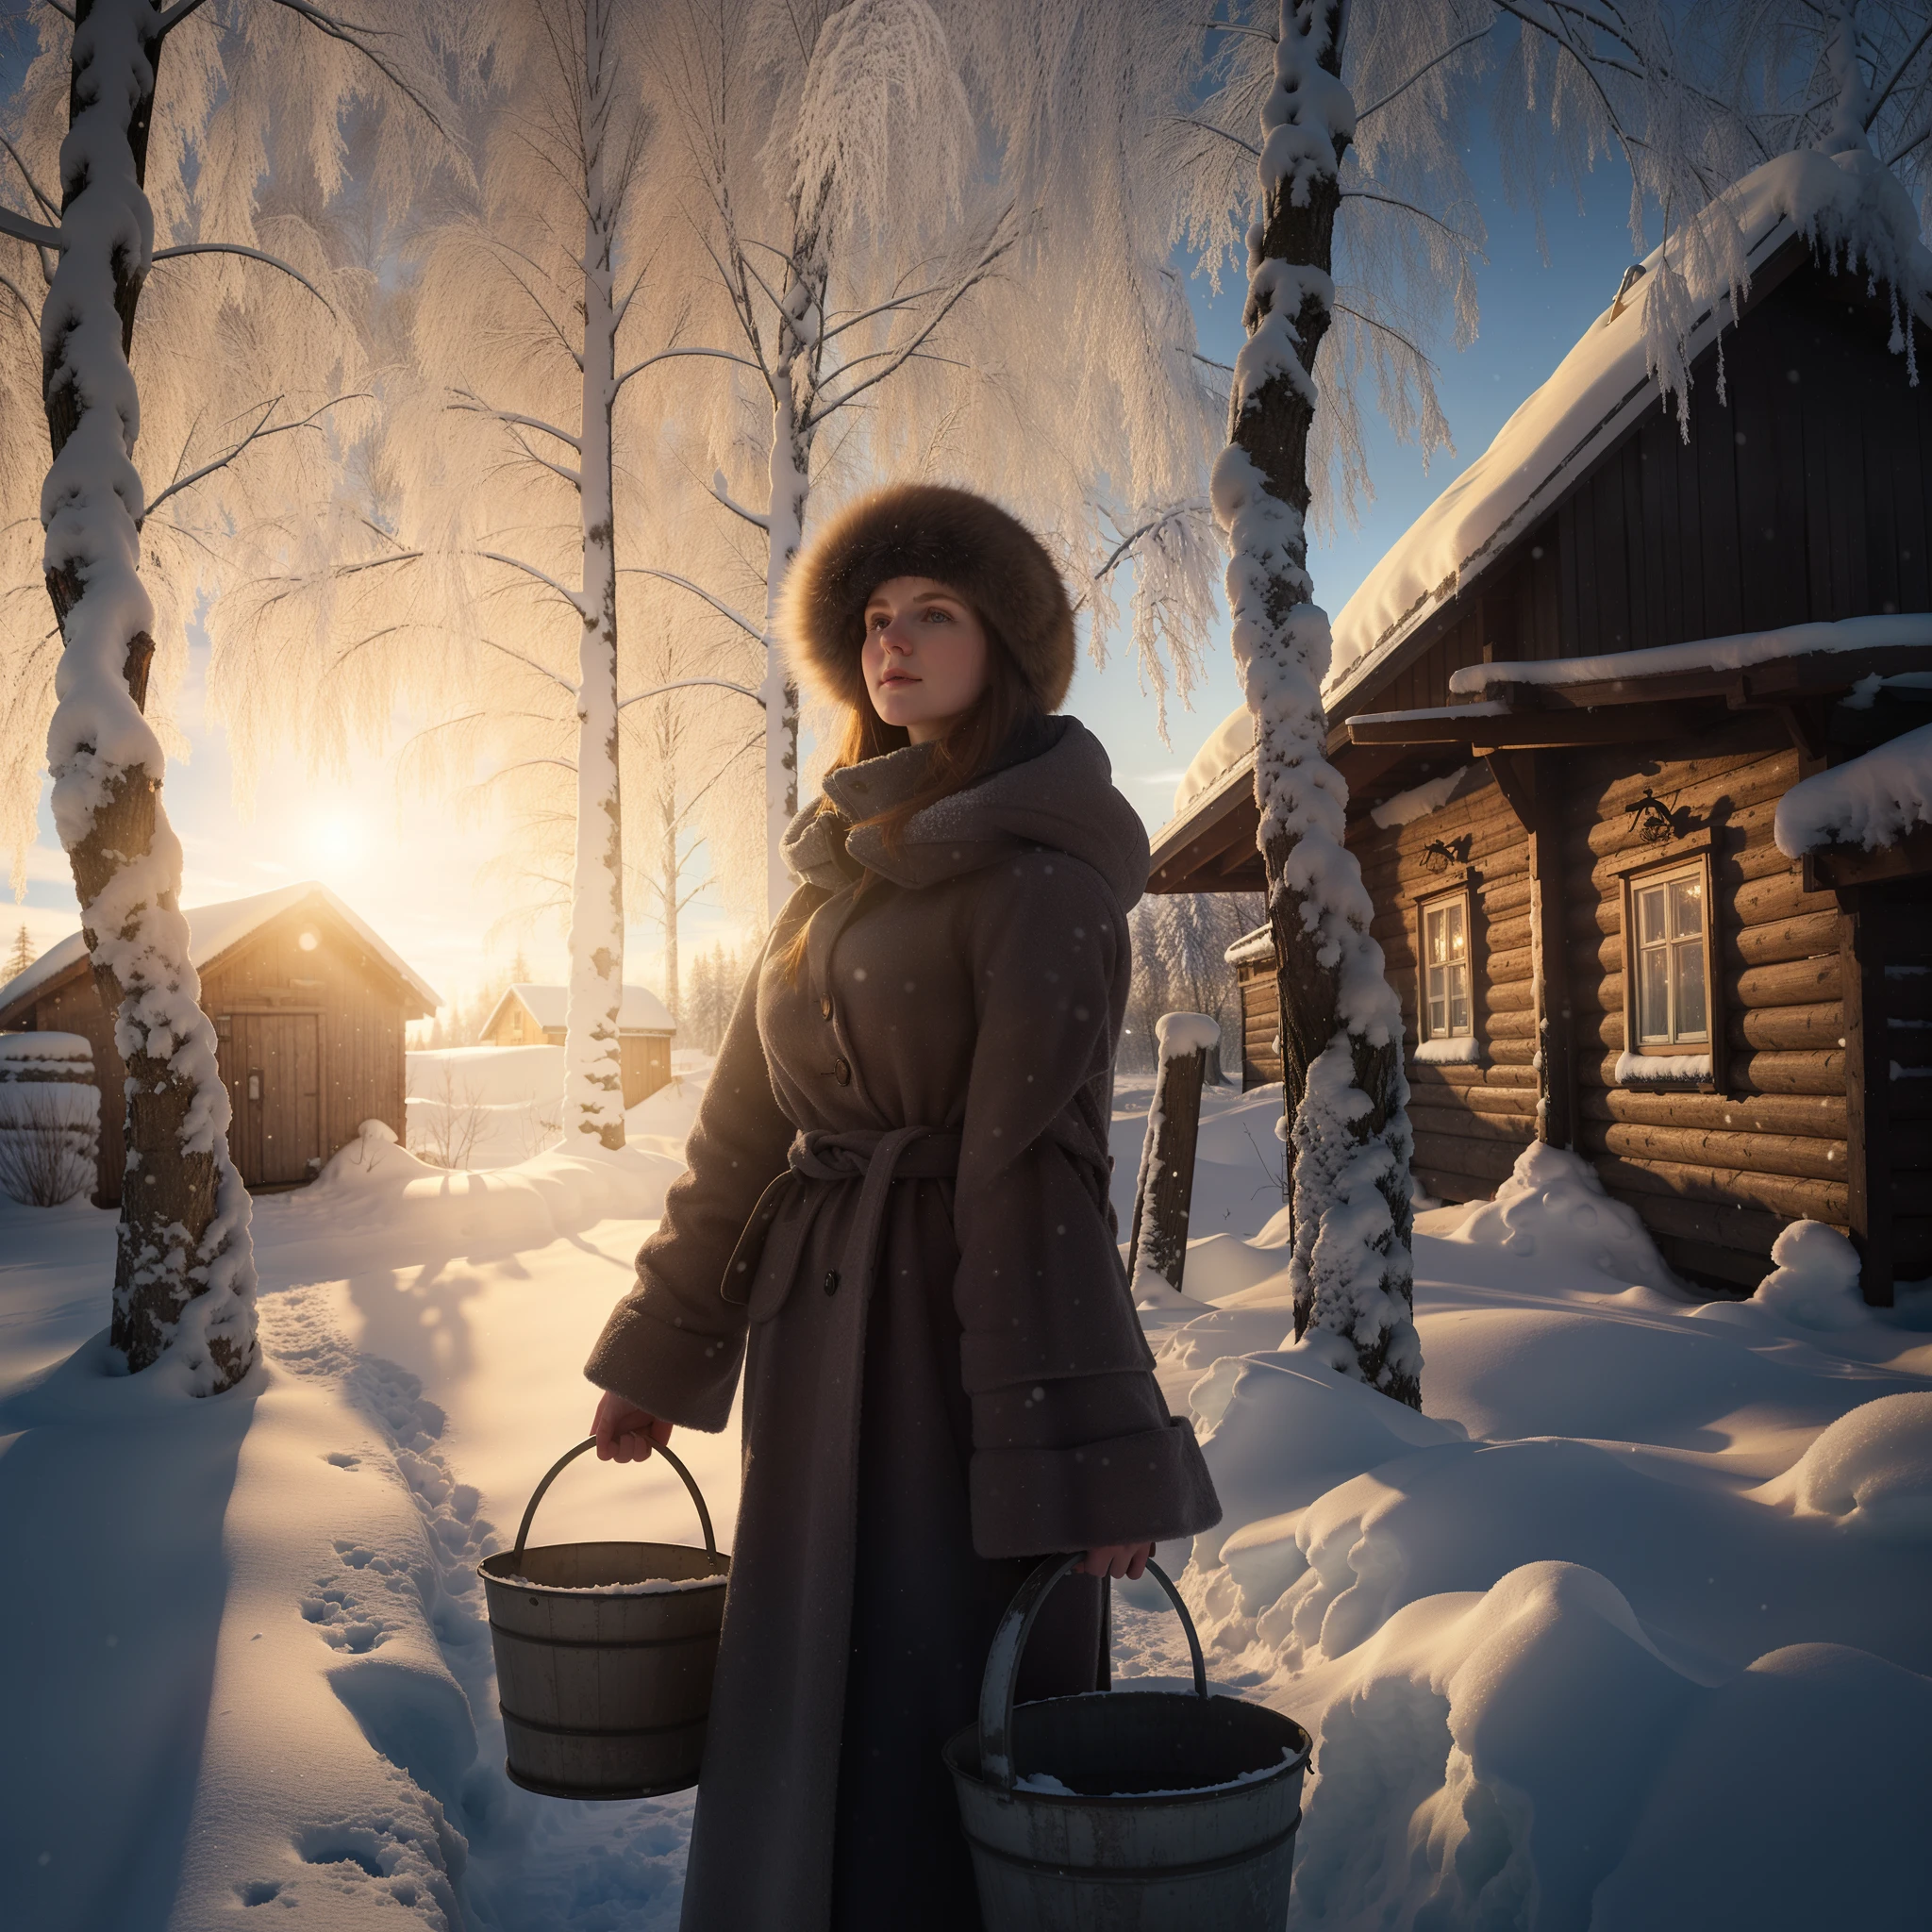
(1446, 1011)
(1668, 940)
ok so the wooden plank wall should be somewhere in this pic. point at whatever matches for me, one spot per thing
(76, 1008)
(1714, 1175)
(1471, 1122)
(1260, 1024)
(1907, 1121)
(361, 1019)
(644, 1064)
(1801, 497)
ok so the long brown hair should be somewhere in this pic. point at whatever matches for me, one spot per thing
(974, 738)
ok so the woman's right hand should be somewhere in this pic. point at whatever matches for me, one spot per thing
(624, 1432)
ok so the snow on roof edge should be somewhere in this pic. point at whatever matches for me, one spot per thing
(218, 927)
(1738, 652)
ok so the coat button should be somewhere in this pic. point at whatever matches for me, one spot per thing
(842, 1071)
(831, 1281)
(826, 1007)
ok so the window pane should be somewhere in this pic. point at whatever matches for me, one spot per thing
(1686, 907)
(1458, 1000)
(1437, 944)
(1688, 965)
(1438, 1018)
(1452, 924)
(1652, 998)
(1650, 915)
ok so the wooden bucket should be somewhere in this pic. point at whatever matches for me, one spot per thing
(605, 1653)
(1174, 1812)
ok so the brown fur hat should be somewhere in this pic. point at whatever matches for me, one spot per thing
(926, 530)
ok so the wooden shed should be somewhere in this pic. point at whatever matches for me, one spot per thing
(1568, 706)
(534, 1015)
(309, 1006)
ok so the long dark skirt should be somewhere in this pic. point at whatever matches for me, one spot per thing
(924, 1615)
(824, 1802)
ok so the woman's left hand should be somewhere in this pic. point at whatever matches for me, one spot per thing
(1116, 1559)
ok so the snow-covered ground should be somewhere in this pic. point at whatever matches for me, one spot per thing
(1627, 1630)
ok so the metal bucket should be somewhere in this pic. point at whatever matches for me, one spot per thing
(604, 1693)
(1153, 1832)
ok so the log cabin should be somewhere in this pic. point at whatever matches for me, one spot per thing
(1569, 705)
(309, 1006)
(534, 1015)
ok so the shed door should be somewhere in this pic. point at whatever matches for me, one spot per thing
(272, 1067)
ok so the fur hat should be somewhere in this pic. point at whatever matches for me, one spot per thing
(926, 530)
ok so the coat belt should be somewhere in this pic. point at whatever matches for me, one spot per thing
(815, 1163)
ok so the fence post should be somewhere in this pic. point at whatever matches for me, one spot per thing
(1164, 1194)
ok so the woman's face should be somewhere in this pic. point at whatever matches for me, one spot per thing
(925, 655)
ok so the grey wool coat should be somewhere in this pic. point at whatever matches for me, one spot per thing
(895, 1217)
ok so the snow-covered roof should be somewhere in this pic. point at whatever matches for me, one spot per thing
(213, 931)
(1599, 388)
(1907, 629)
(1877, 799)
(1252, 947)
(1230, 749)
(642, 1012)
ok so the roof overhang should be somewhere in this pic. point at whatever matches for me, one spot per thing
(1211, 846)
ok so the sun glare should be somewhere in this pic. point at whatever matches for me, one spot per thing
(336, 842)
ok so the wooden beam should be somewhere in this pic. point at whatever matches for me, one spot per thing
(1868, 1093)
(1533, 785)
(1841, 868)
(1486, 729)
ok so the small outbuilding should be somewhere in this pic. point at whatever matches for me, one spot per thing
(535, 1016)
(1634, 725)
(309, 1005)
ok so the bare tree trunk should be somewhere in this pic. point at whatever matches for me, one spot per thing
(593, 1074)
(184, 1272)
(1341, 1025)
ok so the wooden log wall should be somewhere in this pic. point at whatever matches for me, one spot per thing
(1715, 1176)
(1260, 1024)
(1471, 1122)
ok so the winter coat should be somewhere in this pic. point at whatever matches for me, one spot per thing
(897, 1195)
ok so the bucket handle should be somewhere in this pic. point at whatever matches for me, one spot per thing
(570, 1455)
(1010, 1644)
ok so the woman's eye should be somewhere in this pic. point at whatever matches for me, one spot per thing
(933, 610)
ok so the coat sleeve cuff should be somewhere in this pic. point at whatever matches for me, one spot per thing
(680, 1373)
(1152, 1485)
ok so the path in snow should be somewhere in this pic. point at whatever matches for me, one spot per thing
(1635, 1611)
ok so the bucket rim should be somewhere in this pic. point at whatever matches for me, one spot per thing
(965, 1740)
(718, 1580)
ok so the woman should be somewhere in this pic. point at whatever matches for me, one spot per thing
(896, 1214)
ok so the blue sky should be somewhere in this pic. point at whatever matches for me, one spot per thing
(411, 870)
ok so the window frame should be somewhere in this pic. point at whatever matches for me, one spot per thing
(1464, 895)
(1633, 880)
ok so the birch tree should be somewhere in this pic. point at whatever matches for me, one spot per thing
(830, 257)
(184, 1272)
(479, 583)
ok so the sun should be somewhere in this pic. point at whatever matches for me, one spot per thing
(337, 841)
